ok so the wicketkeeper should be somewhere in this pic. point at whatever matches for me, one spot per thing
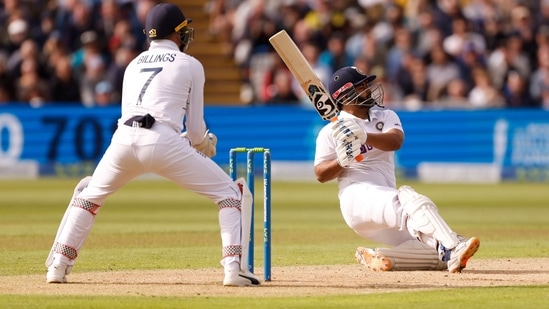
(162, 86)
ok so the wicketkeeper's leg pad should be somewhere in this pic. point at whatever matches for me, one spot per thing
(229, 223)
(82, 184)
(236, 237)
(423, 219)
(80, 220)
(246, 221)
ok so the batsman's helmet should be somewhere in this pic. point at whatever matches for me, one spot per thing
(164, 19)
(343, 88)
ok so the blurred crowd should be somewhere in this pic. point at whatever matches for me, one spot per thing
(68, 51)
(427, 53)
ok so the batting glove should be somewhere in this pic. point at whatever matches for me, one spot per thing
(347, 129)
(347, 152)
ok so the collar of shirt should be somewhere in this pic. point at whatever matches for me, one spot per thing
(371, 116)
(163, 44)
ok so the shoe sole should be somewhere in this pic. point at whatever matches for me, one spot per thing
(375, 262)
(56, 279)
(474, 244)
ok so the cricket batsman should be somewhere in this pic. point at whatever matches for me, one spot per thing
(162, 86)
(406, 221)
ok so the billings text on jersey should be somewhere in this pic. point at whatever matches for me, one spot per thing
(156, 58)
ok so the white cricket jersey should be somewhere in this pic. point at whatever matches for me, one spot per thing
(169, 85)
(377, 166)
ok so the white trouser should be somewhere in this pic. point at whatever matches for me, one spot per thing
(374, 213)
(159, 150)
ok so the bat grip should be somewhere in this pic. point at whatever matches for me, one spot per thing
(359, 157)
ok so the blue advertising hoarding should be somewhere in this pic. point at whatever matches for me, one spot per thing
(69, 140)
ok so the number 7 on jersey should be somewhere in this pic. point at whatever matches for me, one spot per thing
(303, 72)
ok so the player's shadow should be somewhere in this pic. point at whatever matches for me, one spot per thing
(143, 283)
(505, 272)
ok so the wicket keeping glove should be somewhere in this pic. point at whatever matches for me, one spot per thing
(207, 146)
(347, 152)
(347, 129)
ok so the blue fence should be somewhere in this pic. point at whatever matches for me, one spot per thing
(70, 140)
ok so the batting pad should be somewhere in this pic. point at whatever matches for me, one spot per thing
(413, 255)
(424, 219)
(246, 205)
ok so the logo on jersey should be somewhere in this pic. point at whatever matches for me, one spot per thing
(365, 148)
(379, 126)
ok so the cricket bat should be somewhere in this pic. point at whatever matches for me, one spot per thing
(300, 68)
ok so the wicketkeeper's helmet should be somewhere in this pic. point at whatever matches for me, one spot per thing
(164, 19)
(343, 88)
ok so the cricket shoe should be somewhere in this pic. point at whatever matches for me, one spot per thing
(460, 255)
(57, 273)
(240, 278)
(372, 259)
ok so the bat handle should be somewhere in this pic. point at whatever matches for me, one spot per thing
(359, 157)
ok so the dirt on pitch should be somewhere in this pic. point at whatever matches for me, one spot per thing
(286, 281)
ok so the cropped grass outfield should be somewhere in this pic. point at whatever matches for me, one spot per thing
(161, 226)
